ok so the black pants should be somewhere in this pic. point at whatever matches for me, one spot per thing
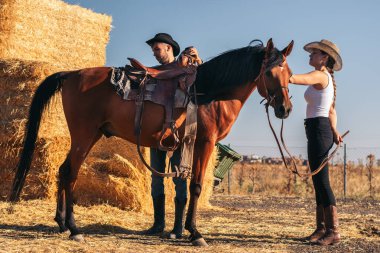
(319, 142)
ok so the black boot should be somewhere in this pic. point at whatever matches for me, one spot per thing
(180, 205)
(159, 216)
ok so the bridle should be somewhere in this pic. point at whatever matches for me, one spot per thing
(270, 98)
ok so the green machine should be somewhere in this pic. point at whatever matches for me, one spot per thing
(226, 159)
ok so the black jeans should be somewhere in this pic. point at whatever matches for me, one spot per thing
(319, 142)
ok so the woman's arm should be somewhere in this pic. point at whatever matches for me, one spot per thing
(333, 121)
(317, 78)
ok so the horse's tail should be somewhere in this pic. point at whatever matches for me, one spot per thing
(45, 91)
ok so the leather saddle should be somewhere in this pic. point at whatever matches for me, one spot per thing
(166, 79)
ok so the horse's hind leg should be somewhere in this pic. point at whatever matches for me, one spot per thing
(78, 152)
(60, 215)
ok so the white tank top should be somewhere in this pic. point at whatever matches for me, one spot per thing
(319, 101)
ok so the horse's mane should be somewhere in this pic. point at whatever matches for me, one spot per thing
(232, 68)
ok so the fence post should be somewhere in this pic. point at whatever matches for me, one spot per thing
(229, 178)
(345, 171)
(229, 182)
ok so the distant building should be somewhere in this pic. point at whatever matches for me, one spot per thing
(252, 159)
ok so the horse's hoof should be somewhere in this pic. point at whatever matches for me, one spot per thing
(77, 238)
(62, 230)
(173, 236)
(200, 242)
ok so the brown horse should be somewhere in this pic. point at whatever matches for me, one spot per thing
(92, 108)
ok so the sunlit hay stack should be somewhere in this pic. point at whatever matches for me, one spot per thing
(53, 31)
(208, 182)
(18, 80)
(114, 174)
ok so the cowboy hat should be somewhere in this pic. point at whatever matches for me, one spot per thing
(329, 48)
(165, 38)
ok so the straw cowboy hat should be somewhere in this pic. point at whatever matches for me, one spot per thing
(329, 48)
(165, 38)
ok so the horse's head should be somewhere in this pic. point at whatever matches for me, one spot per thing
(274, 77)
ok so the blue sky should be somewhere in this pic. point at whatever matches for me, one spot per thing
(220, 25)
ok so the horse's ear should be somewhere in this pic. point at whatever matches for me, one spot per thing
(287, 50)
(269, 45)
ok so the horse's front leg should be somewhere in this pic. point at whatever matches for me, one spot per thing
(202, 153)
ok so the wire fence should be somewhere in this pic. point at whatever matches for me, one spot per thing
(354, 173)
(354, 155)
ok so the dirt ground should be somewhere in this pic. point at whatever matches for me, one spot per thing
(232, 224)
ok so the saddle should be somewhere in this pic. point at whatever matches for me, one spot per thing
(165, 79)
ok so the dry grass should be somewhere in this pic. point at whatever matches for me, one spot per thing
(276, 180)
(53, 31)
(233, 224)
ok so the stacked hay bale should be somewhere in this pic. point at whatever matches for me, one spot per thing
(53, 31)
(18, 80)
(113, 173)
(33, 46)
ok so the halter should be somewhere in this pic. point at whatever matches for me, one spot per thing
(262, 87)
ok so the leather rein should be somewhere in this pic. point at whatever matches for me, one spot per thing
(264, 92)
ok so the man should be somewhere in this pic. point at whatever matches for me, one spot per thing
(165, 49)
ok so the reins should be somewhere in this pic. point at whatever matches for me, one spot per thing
(269, 99)
(325, 161)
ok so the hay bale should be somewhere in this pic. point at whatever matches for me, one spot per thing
(97, 184)
(114, 174)
(17, 81)
(118, 159)
(53, 31)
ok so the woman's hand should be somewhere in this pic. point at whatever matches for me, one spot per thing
(337, 137)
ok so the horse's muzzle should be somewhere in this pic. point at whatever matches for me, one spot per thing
(282, 111)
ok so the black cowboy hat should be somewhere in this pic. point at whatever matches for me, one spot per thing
(165, 38)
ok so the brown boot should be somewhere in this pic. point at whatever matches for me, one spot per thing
(320, 230)
(332, 235)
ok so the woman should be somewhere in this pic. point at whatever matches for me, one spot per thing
(321, 132)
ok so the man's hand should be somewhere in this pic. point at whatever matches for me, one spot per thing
(194, 53)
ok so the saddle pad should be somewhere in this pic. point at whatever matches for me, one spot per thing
(125, 89)
(121, 82)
